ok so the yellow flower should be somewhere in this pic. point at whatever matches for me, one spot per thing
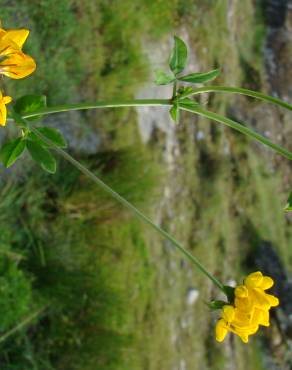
(3, 111)
(236, 322)
(13, 62)
(252, 294)
(17, 36)
(250, 308)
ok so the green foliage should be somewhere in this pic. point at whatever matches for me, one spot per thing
(163, 78)
(50, 133)
(288, 207)
(178, 57)
(15, 292)
(42, 156)
(174, 112)
(11, 151)
(30, 103)
(69, 247)
(216, 305)
(200, 77)
(229, 291)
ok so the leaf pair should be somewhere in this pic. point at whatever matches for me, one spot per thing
(177, 63)
(33, 139)
(180, 102)
(37, 148)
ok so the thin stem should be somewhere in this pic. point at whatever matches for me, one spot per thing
(174, 89)
(239, 127)
(128, 205)
(238, 90)
(101, 104)
(22, 324)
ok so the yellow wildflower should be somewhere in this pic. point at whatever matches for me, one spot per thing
(13, 62)
(236, 322)
(252, 293)
(17, 36)
(250, 308)
(3, 111)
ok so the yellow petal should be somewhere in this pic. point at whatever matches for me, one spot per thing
(243, 320)
(274, 301)
(3, 114)
(228, 313)
(266, 283)
(220, 330)
(244, 304)
(253, 329)
(253, 280)
(259, 298)
(17, 65)
(6, 99)
(241, 291)
(8, 47)
(17, 36)
(243, 334)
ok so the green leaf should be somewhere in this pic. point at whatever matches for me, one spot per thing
(162, 78)
(42, 156)
(11, 151)
(288, 207)
(187, 102)
(185, 91)
(216, 305)
(29, 104)
(200, 77)
(174, 113)
(20, 122)
(229, 291)
(179, 54)
(50, 133)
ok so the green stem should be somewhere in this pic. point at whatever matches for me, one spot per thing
(128, 205)
(239, 127)
(101, 104)
(22, 324)
(174, 88)
(238, 90)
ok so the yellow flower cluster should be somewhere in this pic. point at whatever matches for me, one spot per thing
(13, 62)
(250, 310)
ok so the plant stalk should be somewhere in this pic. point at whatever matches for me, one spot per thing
(239, 127)
(129, 206)
(97, 105)
(238, 90)
(22, 324)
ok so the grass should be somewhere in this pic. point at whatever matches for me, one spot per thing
(67, 248)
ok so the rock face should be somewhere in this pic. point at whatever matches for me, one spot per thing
(268, 261)
(278, 19)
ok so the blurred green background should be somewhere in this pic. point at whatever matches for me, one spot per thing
(84, 285)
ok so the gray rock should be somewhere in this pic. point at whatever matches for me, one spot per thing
(192, 296)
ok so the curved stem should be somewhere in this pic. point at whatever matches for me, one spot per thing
(101, 104)
(128, 205)
(238, 90)
(239, 127)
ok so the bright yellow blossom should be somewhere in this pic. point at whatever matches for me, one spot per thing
(17, 36)
(250, 308)
(251, 295)
(236, 322)
(3, 111)
(13, 62)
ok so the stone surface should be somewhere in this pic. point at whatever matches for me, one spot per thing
(192, 296)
